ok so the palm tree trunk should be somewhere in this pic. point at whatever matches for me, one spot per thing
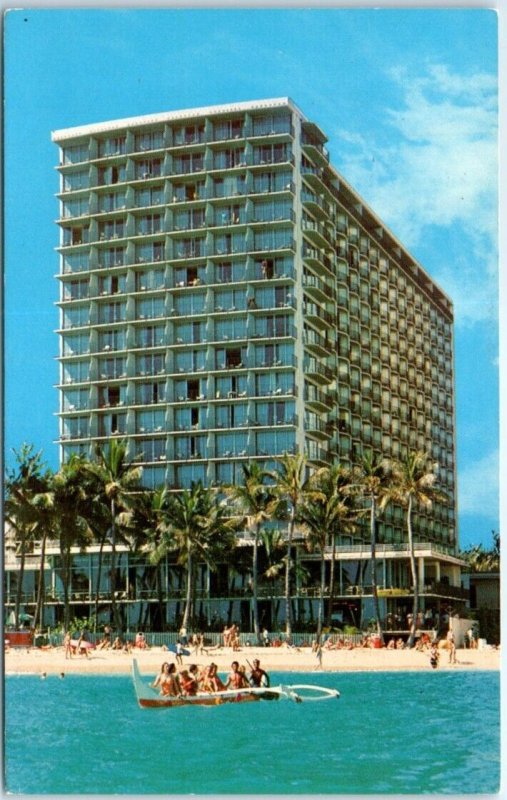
(288, 606)
(66, 558)
(415, 607)
(257, 629)
(99, 576)
(373, 537)
(331, 583)
(114, 606)
(322, 587)
(21, 575)
(188, 598)
(39, 607)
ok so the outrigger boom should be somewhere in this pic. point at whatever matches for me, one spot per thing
(147, 697)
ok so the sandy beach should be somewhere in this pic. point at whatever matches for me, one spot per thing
(35, 661)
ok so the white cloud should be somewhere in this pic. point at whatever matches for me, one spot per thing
(438, 172)
(478, 486)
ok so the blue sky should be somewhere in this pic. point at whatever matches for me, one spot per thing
(407, 98)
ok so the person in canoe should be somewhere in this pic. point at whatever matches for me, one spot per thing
(188, 683)
(258, 677)
(237, 679)
(211, 681)
(168, 680)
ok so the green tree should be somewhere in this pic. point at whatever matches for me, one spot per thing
(414, 486)
(22, 484)
(292, 491)
(70, 504)
(255, 500)
(198, 529)
(373, 477)
(118, 477)
(145, 521)
(326, 512)
(483, 559)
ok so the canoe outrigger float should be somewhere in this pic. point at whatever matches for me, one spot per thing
(147, 697)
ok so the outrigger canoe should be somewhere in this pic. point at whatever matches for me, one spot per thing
(148, 697)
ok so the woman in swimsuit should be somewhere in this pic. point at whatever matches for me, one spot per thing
(188, 683)
(168, 681)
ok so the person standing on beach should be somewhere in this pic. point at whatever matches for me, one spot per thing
(434, 656)
(451, 644)
(318, 653)
(67, 645)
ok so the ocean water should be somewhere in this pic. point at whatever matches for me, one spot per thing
(424, 732)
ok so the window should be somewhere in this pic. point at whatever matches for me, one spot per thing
(112, 201)
(76, 317)
(75, 208)
(149, 168)
(272, 123)
(76, 180)
(113, 146)
(189, 134)
(150, 223)
(74, 154)
(150, 364)
(225, 159)
(273, 239)
(150, 336)
(151, 251)
(149, 141)
(151, 196)
(272, 181)
(229, 129)
(271, 154)
(188, 163)
(112, 257)
(112, 174)
(75, 290)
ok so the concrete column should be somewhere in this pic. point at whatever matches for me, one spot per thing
(420, 573)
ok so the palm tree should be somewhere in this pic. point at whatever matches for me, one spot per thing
(373, 478)
(69, 503)
(145, 521)
(22, 485)
(198, 529)
(414, 485)
(255, 500)
(325, 513)
(292, 490)
(118, 477)
(273, 545)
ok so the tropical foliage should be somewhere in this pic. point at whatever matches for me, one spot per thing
(102, 502)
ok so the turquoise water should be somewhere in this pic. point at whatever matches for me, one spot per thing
(388, 733)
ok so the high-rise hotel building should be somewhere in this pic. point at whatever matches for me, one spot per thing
(226, 295)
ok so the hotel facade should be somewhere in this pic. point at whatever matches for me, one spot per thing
(227, 296)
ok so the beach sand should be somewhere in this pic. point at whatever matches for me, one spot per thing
(35, 661)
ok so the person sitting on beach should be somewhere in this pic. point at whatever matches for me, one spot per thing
(391, 645)
(188, 683)
(237, 679)
(400, 645)
(117, 644)
(258, 677)
(140, 641)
